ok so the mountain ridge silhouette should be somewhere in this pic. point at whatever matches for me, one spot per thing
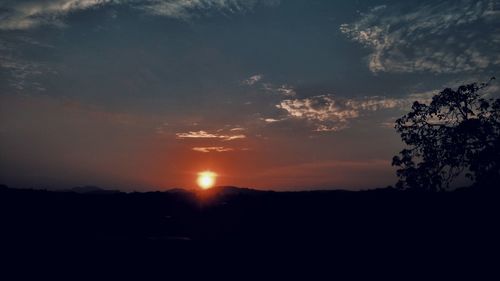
(243, 214)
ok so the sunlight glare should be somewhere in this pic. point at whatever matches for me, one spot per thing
(206, 179)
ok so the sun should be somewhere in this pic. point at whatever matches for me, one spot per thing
(206, 179)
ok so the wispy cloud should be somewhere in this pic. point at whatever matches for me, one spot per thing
(208, 149)
(388, 123)
(29, 14)
(283, 90)
(21, 72)
(427, 39)
(183, 9)
(196, 135)
(328, 113)
(321, 108)
(250, 81)
(270, 120)
(205, 135)
(33, 13)
(257, 80)
(329, 128)
(286, 90)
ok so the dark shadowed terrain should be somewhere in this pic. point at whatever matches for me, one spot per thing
(229, 213)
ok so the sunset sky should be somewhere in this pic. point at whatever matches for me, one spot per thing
(283, 95)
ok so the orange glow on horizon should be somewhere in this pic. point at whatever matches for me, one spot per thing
(206, 179)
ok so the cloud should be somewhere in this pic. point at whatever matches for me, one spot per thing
(286, 90)
(212, 149)
(198, 134)
(233, 137)
(32, 13)
(283, 90)
(206, 135)
(29, 14)
(438, 37)
(389, 123)
(16, 15)
(183, 9)
(321, 108)
(21, 71)
(325, 128)
(250, 81)
(270, 120)
(329, 113)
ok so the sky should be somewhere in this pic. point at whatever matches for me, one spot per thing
(282, 95)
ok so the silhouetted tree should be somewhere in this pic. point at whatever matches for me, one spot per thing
(458, 132)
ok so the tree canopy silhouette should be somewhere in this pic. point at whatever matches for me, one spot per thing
(458, 133)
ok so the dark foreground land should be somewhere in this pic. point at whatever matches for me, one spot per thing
(250, 233)
(227, 213)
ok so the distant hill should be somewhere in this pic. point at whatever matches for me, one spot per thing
(92, 190)
(231, 213)
(232, 190)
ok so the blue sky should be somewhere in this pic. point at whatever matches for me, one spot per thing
(143, 94)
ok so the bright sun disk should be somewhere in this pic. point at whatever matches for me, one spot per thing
(206, 179)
